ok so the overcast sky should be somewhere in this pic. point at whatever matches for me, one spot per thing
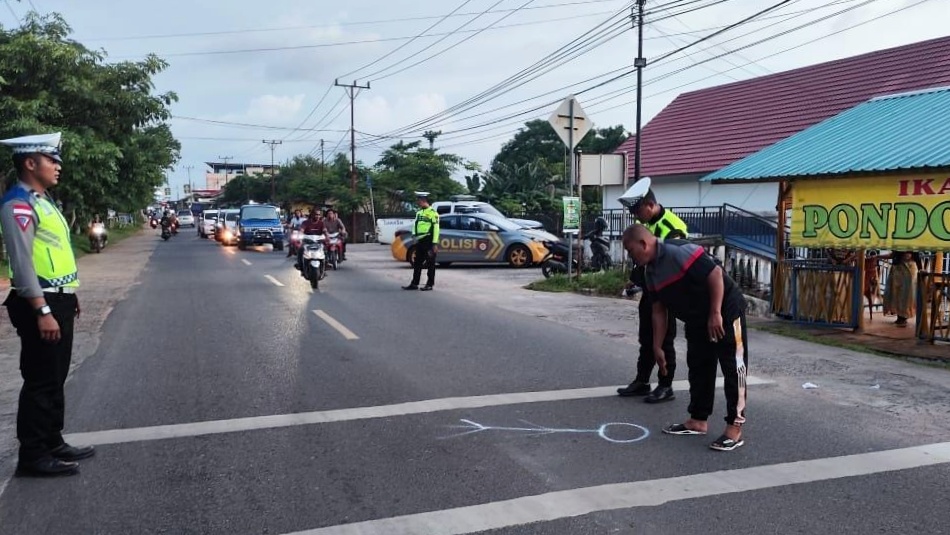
(271, 63)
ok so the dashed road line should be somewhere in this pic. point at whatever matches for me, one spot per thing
(273, 280)
(246, 262)
(340, 328)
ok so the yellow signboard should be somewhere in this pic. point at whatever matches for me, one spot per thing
(894, 213)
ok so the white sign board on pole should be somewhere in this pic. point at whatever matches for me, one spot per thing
(562, 123)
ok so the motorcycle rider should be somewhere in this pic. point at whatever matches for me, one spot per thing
(314, 226)
(641, 201)
(334, 224)
(293, 224)
(97, 222)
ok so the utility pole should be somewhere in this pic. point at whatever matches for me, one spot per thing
(191, 187)
(226, 160)
(639, 63)
(272, 142)
(351, 91)
(323, 161)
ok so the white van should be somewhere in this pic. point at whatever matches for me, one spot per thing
(467, 204)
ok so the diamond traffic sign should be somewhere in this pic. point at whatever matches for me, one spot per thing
(561, 121)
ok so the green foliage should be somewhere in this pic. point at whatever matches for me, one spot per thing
(406, 167)
(608, 283)
(116, 145)
(530, 171)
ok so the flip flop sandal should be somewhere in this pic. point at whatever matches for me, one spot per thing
(681, 429)
(725, 443)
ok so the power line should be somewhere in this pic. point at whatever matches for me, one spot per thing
(669, 74)
(247, 125)
(324, 26)
(477, 33)
(407, 43)
(493, 92)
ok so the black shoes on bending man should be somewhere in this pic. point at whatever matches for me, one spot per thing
(659, 394)
(60, 462)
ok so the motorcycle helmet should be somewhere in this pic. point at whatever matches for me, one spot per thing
(600, 224)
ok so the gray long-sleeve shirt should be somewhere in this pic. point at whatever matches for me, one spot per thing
(18, 224)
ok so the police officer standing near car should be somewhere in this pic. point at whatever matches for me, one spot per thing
(425, 230)
(641, 201)
(42, 305)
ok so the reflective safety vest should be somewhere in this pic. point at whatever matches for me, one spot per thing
(427, 224)
(667, 225)
(53, 257)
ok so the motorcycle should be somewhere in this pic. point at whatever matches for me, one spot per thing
(153, 222)
(293, 243)
(97, 237)
(314, 266)
(166, 232)
(556, 259)
(174, 227)
(334, 249)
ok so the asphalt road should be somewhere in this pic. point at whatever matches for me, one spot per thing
(305, 420)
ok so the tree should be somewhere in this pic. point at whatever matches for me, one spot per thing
(405, 167)
(116, 144)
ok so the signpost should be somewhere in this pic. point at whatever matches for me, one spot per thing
(571, 125)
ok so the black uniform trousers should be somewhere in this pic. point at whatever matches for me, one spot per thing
(44, 367)
(647, 360)
(425, 257)
(731, 355)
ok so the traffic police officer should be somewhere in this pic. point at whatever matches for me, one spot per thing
(641, 201)
(42, 305)
(426, 232)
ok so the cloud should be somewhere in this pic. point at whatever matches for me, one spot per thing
(376, 113)
(269, 110)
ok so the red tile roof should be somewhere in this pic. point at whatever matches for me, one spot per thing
(705, 130)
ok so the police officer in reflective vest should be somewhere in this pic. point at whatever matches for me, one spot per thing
(42, 305)
(425, 230)
(641, 201)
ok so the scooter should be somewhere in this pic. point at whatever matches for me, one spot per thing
(314, 266)
(293, 243)
(556, 259)
(334, 249)
(97, 237)
(153, 222)
(166, 232)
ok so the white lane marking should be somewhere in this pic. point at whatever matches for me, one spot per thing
(138, 434)
(340, 328)
(275, 281)
(246, 263)
(231, 251)
(577, 502)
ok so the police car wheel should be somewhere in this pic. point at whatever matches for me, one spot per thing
(518, 256)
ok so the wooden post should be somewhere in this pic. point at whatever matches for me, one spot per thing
(859, 288)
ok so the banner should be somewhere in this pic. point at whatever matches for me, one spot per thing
(894, 213)
(572, 213)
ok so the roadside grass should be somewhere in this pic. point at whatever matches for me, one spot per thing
(80, 243)
(607, 283)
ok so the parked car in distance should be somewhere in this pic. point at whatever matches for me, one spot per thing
(208, 220)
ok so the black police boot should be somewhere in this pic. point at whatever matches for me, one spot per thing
(47, 467)
(72, 453)
(427, 288)
(635, 388)
(411, 287)
(660, 394)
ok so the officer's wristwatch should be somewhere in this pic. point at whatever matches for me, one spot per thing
(44, 311)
